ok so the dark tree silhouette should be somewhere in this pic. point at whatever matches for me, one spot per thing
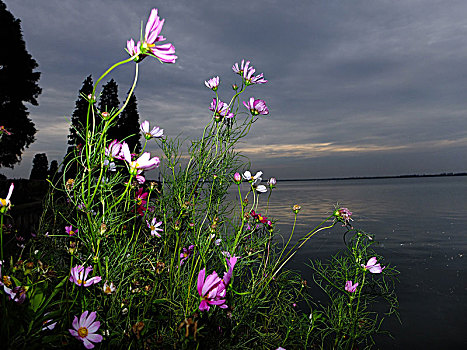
(128, 124)
(18, 84)
(79, 116)
(40, 167)
(53, 170)
(109, 102)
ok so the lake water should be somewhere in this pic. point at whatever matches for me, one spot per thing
(421, 227)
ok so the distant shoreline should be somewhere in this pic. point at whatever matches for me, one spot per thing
(378, 177)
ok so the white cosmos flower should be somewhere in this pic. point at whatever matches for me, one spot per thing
(247, 175)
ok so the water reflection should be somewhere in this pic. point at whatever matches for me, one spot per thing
(420, 224)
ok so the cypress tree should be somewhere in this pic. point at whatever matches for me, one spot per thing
(18, 84)
(109, 102)
(40, 167)
(79, 116)
(128, 124)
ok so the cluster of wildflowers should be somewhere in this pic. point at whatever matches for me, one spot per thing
(125, 219)
(17, 294)
(262, 219)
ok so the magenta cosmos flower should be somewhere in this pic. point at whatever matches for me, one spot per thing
(156, 132)
(154, 227)
(85, 329)
(211, 290)
(5, 203)
(70, 230)
(79, 276)
(220, 109)
(230, 264)
(145, 162)
(237, 178)
(164, 53)
(373, 266)
(212, 83)
(349, 287)
(186, 253)
(256, 107)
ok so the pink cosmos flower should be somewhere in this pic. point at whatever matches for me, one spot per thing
(343, 215)
(240, 69)
(247, 71)
(186, 253)
(212, 83)
(18, 294)
(85, 329)
(220, 109)
(256, 107)
(231, 261)
(48, 325)
(156, 132)
(237, 178)
(250, 79)
(5, 203)
(70, 230)
(272, 182)
(164, 53)
(79, 275)
(113, 150)
(132, 48)
(144, 162)
(211, 290)
(349, 287)
(141, 201)
(154, 227)
(372, 266)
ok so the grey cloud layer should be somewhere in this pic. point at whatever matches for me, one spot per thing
(367, 79)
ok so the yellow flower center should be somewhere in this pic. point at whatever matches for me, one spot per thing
(6, 281)
(83, 332)
(107, 290)
(152, 228)
(3, 202)
(80, 282)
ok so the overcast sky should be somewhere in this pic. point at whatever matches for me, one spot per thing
(355, 87)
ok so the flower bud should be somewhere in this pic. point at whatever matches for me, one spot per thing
(272, 182)
(296, 208)
(237, 178)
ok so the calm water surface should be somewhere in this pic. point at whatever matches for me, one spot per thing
(421, 227)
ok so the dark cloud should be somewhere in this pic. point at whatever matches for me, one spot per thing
(378, 83)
